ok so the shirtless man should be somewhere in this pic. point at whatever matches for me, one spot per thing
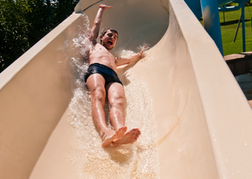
(102, 81)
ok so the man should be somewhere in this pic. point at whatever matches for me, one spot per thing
(102, 81)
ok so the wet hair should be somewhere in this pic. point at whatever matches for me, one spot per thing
(105, 31)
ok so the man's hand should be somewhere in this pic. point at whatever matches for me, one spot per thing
(133, 58)
(103, 6)
(141, 53)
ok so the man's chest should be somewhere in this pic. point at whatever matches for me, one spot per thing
(99, 51)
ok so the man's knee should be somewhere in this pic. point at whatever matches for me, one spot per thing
(116, 95)
(117, 101)
(98, 94)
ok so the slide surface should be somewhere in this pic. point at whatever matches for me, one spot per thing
(194, 119)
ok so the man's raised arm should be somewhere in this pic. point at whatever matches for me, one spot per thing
(97, 22)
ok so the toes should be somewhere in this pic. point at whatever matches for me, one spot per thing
(122, 130)
(129, 137)
(136, 133)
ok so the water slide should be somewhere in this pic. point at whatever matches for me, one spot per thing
(194, 118)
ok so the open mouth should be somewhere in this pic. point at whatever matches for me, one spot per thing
(110, 43)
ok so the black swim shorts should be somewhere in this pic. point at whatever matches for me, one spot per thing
(108, 73)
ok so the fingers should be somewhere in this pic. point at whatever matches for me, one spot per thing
(103, 6)
(142, 50)
(141, 53)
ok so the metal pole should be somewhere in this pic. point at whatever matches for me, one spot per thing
(237, 29)
(211, 21)
(224, 16)
(243, 28)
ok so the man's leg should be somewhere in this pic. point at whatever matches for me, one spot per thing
(95, 83)
(116, 97)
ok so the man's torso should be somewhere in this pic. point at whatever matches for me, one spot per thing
(99, 54)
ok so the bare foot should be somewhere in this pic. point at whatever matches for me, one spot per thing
(128, 138)
(108, 139)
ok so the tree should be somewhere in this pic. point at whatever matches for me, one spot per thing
(13, 31)
(24, 22)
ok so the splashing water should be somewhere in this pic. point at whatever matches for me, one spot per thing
(138, 160)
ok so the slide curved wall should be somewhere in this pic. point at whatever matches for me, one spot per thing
(202, 118)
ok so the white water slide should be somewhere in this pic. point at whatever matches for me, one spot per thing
(195, 120)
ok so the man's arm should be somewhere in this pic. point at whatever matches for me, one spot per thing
(127, 60)
(97, 23)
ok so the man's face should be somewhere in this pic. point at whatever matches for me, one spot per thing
(109, 40)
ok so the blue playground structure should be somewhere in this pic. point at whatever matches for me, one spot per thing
(209, 11)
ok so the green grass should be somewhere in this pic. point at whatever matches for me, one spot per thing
(228, 29)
